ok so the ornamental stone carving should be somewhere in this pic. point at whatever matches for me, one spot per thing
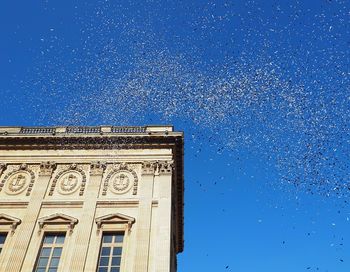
(18, 180)
(165, 167)
(69, 180)
(2, 168)
(157, 167)
(149, 168)
(97, 168)
(46, 168)
(17, 183)
(120, 180)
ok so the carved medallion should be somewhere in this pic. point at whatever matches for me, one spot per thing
(121, 182)
(17, 182)
(69, 182)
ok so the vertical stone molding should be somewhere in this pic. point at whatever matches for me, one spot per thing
(141, 261)
(164, 215)
(25, 233)
(78, 259)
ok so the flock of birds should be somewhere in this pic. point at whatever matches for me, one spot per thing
(277, 83)
(273, 78)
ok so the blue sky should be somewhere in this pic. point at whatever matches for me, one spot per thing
(260, 88)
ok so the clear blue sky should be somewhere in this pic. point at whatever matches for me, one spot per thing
(260, 88)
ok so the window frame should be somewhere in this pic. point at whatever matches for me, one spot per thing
(42, 245)
(2, 245)
(54, 223)
(123, 246)
(112, 222)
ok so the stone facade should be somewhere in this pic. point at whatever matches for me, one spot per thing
(84, 183)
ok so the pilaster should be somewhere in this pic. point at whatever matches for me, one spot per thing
(144, 217)
(87, 219)
(25, 232)
(163, 249)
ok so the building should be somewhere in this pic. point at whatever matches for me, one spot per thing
(91, 199)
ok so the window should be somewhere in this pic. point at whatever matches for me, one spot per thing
(50, 252)
(111, 252)
(2, 240)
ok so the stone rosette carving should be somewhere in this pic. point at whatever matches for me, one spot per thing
(120, 180)
(69, 180)
(18, 180)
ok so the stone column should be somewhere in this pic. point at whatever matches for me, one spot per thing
(25, 232)
(87, 219)
(143, 220)
(163, 249)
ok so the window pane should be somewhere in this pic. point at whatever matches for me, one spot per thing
(115, 269)
(119, 238)
(40, 270)
(60, 239)
(104, 261)
(49, 239)
(53, 270)
(105, 251)
(43, 261)
(46, 251)
(57, 252)
(2, 238)
(54, 262)
(103, 269)
(116, 261)
(117, 251)
(107, 238)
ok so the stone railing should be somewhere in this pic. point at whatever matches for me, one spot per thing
(37, 130)
(128, 129)
(85, 130)
(101, 130)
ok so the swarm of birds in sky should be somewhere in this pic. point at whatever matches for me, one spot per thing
(272, 78)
